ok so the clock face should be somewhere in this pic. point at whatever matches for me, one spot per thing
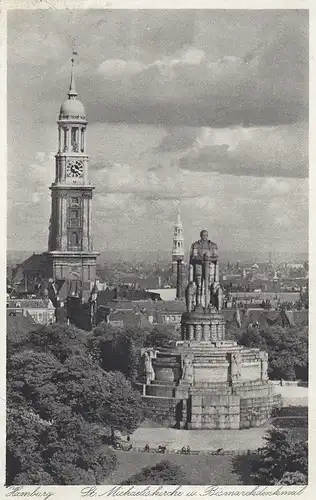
(74, 168)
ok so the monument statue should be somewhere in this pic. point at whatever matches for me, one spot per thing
(235, 366)
(187, 368)
(264, 365)
(190, 296)
(208, 381)
(204, 290)
(217, 296)
(148, 355)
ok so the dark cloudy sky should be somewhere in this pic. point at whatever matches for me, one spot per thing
(209, 106)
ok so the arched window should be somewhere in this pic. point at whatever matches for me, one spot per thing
(82, 140)
(65, 139)
(74, 139)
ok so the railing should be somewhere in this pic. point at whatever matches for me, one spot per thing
(200, 452)
(290, 383)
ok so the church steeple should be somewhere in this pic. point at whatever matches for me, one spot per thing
(178, 251)
(70, 242)
(178, 240)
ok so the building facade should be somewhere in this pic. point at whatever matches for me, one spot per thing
(40, 311)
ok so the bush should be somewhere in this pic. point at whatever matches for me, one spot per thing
(164, 472)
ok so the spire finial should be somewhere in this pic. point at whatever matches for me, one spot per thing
(72, 88)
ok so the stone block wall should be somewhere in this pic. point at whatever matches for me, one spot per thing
(165, 411)
(252, 389)
(216, 388)
(251, 370)
(255, 411)
(160, 390)
(209, 411)
(167, 368)
(214, 372)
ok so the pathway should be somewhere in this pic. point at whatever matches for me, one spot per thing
(202, 440)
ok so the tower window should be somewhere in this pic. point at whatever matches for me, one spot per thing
(74, 239)
(75, 201)
(82, 140)
(74, 218)
(74, 139)
(65, 139)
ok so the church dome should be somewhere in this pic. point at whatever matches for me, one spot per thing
(72, 109)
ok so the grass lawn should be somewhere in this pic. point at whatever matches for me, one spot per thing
(199, 469)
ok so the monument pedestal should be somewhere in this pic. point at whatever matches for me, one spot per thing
(205, 381)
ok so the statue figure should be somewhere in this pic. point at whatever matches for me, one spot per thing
(190, 294)
(187, 368)
(202, 246)
(264, 365)
(217, 296)
(203, 274)
(148, 355)
(235, 366)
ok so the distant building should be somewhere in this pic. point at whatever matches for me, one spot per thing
(166, 294)
(142, 313)
(40, 311)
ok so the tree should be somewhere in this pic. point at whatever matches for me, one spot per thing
(41, 382)
(60, 340)
(23, 429)
(30, 382)
(118, 349)
(18, 330)
(254, 337)
(66, 451)
(287, 348)
(106, 398)
(160, 337)
(123, 405)
(293, 478)
(58, 397)
(233, 331)
(164, 472)
(282, 455)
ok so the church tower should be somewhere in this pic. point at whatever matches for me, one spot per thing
(70, 251)
(178, 253)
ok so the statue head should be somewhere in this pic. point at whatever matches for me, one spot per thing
(204, 235)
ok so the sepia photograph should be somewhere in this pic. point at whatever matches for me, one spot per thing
(157, 268)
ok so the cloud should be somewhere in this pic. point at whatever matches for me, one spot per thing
(265, 151)
(208, 106)
(116, 68)
(182, 70)
(177, 139)
(101, 164)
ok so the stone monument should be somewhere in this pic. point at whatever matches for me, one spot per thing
(205, 381)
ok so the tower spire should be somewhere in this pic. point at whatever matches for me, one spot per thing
(178, 213)
(72, 87)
